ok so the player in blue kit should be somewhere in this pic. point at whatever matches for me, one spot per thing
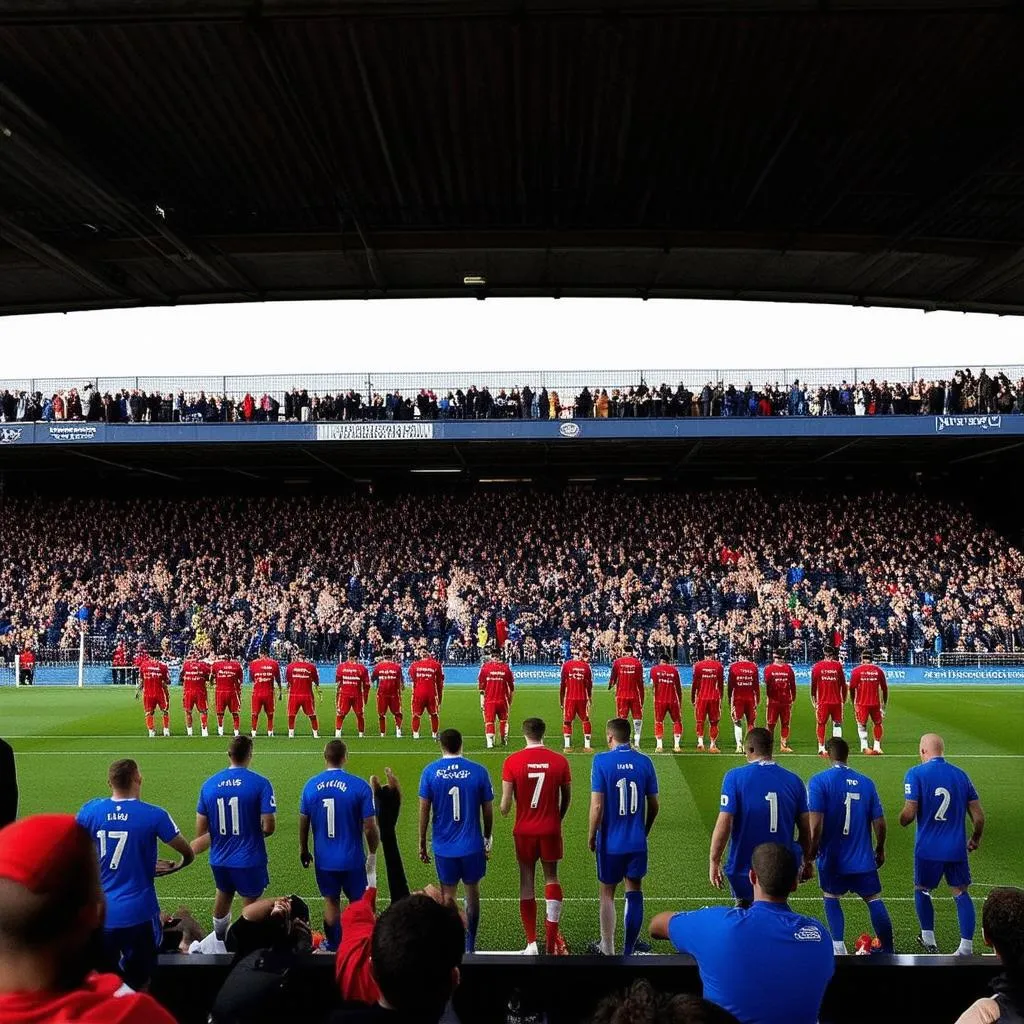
(235, 813)
(939, 796)
(126, 830)
(845, 811)
(339, 809)
(459, 793)
(762, 802)
(623, 806)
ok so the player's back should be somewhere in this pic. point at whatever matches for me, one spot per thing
(628, 673)
(126, 834)
(351, 676)
(195, 673)
(866, 683)
(626, 778)
(301, 675)
(765, 801)
(708, 677)
(577, 679)
(943, 792)
(234, 801)
(780, 683)
(457, 788)
(848, 802)
(227, 673)
(388, 676)
(425, 674)
(154, 674)
(743, 678)
(495, 678)
(537, 775)
(337, 803)
(665, 682)
(828, 678)
(264, 672)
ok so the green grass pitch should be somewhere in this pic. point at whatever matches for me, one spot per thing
(65, 738)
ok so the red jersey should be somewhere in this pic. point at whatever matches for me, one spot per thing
(867, 684)
(780, 683)
(537, 776)
(300, 676)
(666, 685)
(195, 674)
(628, 677)
(352, 968)
(577, 681)
(708, 680)
(352, 678)
(264, 673)
(388, 677)
(27, 660)
(227, 675)
(154, 677)
(828, 683)
(427, 677)
(496, 682)
(100, 997)
(744, 683)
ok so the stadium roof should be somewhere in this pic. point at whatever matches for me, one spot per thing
(182, 151)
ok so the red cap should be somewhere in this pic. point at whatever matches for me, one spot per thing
(37, 852)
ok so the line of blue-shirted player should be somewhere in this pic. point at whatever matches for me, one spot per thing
(836, 821)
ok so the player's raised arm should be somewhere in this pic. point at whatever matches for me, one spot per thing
(977, 815)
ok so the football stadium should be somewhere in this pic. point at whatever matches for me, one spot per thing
(517, 695)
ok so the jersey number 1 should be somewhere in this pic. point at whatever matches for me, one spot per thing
(850, 797)
(120, 838)
(773, 811)
(222, 816)
(634, 797)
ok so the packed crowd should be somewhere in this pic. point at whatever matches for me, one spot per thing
(537, 572)
(964, 392)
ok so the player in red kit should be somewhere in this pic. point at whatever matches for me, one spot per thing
(265, 675)
(828, 694)
(427, 679)
(153, 682)
(353, 691)
(496, 686)
(539, 781)
(627, 677)
(668, 697)
(780, 692)
(301, 676)
(227, 691)
(744, 689)
(390, 682)
(706, 698)
(195, 674)
(869, 692)
(575, 695)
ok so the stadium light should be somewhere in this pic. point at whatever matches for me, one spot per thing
(437, 469)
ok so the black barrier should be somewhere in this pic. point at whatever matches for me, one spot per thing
(876, 988)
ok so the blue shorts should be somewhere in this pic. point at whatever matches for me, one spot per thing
(132, 952)
(612, 868)
(452, 870)
(739, 882)
(332, 883)
(861, 883)
(248, 882)
(928, 873)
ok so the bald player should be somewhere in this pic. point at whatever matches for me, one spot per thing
(939, 797)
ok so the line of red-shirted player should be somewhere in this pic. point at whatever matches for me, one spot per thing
(741, 685)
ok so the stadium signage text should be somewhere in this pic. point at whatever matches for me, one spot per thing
(968, 423)
(374, 431)
(10, 435)
(569, 429)
(72, 432)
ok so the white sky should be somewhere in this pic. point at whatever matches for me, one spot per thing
(499, 334)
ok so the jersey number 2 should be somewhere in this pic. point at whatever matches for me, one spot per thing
(944, 797)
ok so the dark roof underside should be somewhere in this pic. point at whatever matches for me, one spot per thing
(208, 151)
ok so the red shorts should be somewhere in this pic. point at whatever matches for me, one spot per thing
(779, 711)
(300, 702)
(426, 701)
(389, 702)
(530, 849)
(630, 707)
(576, 709)
(150, 704)
(827, 711)
(227, 702)
(195, 697)
(263, 702)
(743, 708)
(350, 702)
(710, 710)
(661, 710)
(872, 711)
(495, 710)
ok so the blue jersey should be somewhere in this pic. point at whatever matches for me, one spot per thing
(765, 801)
(785, 987)
(125, 833)
(626, 778)
(849, 802)
(233, 801)
(457, 789)
(336, 804)
(942, 792)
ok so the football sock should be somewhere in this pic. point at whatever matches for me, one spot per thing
(434, 724)
(862, 732)
(502, 726)
(738, 733)
(188, 721)
(398, 724)
(315, 722)
(220, 926)
(785, 737)
(878, 737)
(383, 723)
(553, 913)
(360, 724)
(606, 912)
(965, 915)
(586, 733)
(235, 721)
(332, 932)
(472, 922)
(659, 732)
(714, 735)
(188, 728)
(204, 721)
(149, 722)
(489, 730)
(167, 721)
(882, 924)
(638, 724)
(821, 737)
(677, 734)
(925, 914)
(337, 723)
(416, 726)
(567, 736)
(633, 919)
(836, 918)
(528, 912)
(291, 724)
(837, 731)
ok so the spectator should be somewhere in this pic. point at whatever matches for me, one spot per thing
(8, 785)
(1002, 925)
(641, 1004)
